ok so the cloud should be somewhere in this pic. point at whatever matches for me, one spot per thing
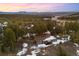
(31, 7)
(41, 7)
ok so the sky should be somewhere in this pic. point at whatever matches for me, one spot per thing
(39, 7)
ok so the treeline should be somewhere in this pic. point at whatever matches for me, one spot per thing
(69, 18)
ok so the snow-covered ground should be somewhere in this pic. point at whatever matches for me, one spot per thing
(36, 48)
(77, 50)
(76, 44)
(42, 45)
(34, 52)
(49, 38)
(30, 26)
(4, 24)
(56, 41)
(24, 50)
(47, 32)
(25, 45)
(33, 47)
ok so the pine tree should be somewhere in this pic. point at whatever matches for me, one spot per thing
(10, 39)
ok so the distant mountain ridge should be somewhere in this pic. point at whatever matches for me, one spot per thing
(46, 14)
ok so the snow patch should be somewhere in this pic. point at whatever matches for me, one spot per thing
(56, 42)
(77, 52)
(24, 50)
(42, 46)
(25, 45)
(50, 38)
(5, 23)
(33, 47)
(76, 44)
(48, 32)
(34, 52)
(32, 25)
